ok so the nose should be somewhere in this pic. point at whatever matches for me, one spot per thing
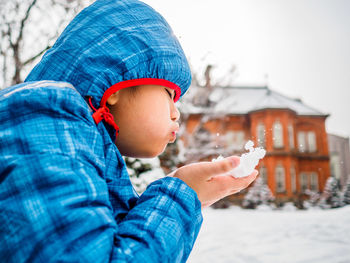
(175, 113)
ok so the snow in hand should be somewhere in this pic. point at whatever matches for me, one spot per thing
(248, 161)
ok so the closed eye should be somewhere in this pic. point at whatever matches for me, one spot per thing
(170, 95)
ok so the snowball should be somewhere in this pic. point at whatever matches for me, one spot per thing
(218, 159)
(248, 161)
(249, 145)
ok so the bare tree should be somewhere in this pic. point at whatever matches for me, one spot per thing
(28, 28)
(200, 143)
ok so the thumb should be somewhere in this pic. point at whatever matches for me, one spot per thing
(235, 160)
(205, 170)
(220, 167)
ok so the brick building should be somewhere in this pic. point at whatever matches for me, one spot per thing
(221, 120)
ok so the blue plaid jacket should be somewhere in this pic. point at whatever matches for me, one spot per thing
(65, 195)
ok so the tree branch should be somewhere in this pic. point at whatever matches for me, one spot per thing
(36, 56)
(9, 33)
(21, 29)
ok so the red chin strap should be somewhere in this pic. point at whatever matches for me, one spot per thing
(103, 113)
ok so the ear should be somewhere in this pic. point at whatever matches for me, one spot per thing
(113, 99)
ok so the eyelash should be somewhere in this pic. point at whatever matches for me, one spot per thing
(171, 96)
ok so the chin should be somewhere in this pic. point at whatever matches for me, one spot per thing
(154, 152)
(151, 151)
(143, 154)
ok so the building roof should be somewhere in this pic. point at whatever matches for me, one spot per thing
(242, 100)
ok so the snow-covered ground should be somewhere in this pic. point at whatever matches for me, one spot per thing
(250, 236)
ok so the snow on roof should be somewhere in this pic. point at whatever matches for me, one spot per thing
(242, 100)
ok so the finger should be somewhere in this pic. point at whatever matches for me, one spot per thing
(211, 169)
(248, 179)
(206, 170)
(223, 186)
(228, 184)
(234, 159)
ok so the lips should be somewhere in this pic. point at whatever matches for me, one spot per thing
(173, 134)
(174, 131)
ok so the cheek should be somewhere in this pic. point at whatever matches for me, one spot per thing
(155, 126)
(155, 117)
(147, 119)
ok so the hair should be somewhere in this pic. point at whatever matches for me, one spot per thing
(133, 90)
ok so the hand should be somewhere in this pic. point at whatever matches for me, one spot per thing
(206, 179)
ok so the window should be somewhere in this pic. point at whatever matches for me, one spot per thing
(263, 174)
(307, 142)
(313, 182)
(293, 179)
(301, 142)
(291, 136)
(309, 181)
(311, 139)
(278, 134)
(280, 179)
(261, 134)
(335, 166)
(240, 141)
(229, 140)
(303, 182)
(235, 140)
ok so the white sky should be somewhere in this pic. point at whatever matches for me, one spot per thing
(303, 46)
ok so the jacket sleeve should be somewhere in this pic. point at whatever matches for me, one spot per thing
(163, 225)
(58, 210)
(54, 202)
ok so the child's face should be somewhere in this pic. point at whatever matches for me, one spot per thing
(147, 120)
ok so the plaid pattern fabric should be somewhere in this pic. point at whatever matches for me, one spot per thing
(65, 194)
(112, 41)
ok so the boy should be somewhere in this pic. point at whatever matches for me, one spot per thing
(65, 194)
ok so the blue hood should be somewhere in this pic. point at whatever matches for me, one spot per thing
(113, 41)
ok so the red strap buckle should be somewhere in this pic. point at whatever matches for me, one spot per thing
(103, 113)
